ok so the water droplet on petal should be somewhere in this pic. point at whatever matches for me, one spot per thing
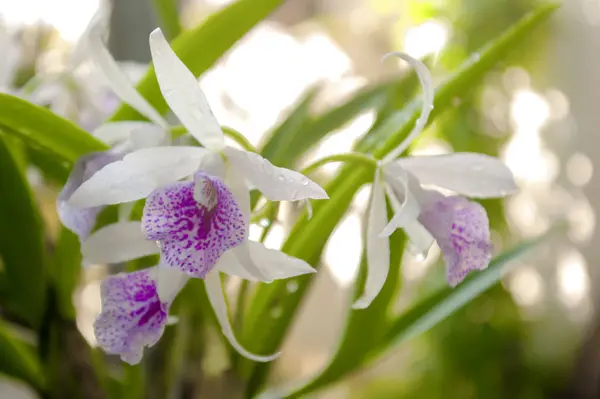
(420, 257)
(264, 222)
(281, 177)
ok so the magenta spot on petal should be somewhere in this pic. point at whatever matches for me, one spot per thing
(194, 234)
(461, 229)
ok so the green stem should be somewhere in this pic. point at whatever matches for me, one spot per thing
(168, 16)
(352, 157)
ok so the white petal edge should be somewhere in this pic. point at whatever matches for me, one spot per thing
(426, 107)
(409, 209)
(169, 282)
(277, 184)
(466, 173)
(137, 175)
(242, 254)
(182, 92)
(240, 192)
(148, 136)
(420, 239)
(99, 24)
(117, 242)
(378, 248)
(113, 133)
(118, 81)
(217, 301)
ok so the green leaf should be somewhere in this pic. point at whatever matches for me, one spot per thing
(66, 270)
(19, 360)
(263, 334)
(22, 244)
(41, 128)
(201, 47)
(168, 16)
(430, 311)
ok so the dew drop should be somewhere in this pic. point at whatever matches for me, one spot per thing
(292, 286)
(420, 257)
(264, 222)
(475, 56)
(305, 182)
(281, 177)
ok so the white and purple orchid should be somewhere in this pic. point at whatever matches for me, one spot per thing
(198, 225)
(459, 226)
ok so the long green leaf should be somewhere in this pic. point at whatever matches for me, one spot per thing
(263, 334)
(21, 243)
(66, 269)
(201, 47)
(41, 128)
(19, 360)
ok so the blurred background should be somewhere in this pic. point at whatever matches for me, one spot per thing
(537, 335)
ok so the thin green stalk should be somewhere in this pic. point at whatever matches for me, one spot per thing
(168, 15)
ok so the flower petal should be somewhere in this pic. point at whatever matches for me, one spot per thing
(182, 92)
(118, 81)
(378, 248)
(462, 230)
(169, 281)
(277, 184)
(137, 175)
(132, 316)
(470, 174)
(98, 23)
(241, 193)
(408, 210)
(81, 221)
(217, 300)
(273, 264)
(117, 242)
(113, 133)
(193, 232)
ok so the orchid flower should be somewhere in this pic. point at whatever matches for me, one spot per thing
(460, 227)
(198, 226)
(140, 173)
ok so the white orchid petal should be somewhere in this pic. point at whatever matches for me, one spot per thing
(276, 264)
(137, 175)
(113, 133)
(406, 218)
(409, 209)
(229, 264)
(470, 174)
(378, 249)
(118, 81)
(217, 300)
(426, 107)
(98, 25)
(148, 136)
(309, 209)
(277, 184)
(240, 192)
(118, 242)
(182, 92)
(242, 253)
(169, 282)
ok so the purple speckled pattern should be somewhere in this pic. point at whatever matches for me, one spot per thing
(462, 230)
(194, 234)
(132, 316)
(81, 221)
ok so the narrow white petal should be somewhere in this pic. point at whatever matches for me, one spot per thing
(213, 164)
(273, 264)
(426, 106)
(137, 175)
(118, 242)
(242, 253)
(182, 92)
(406, 218)
(169, 282)
(118, 81)
(113, 133)
(276, 264)
(408, 210)
(378, 248)
(470, 174)
(98, 25)
(217, 300)
(277, 184)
